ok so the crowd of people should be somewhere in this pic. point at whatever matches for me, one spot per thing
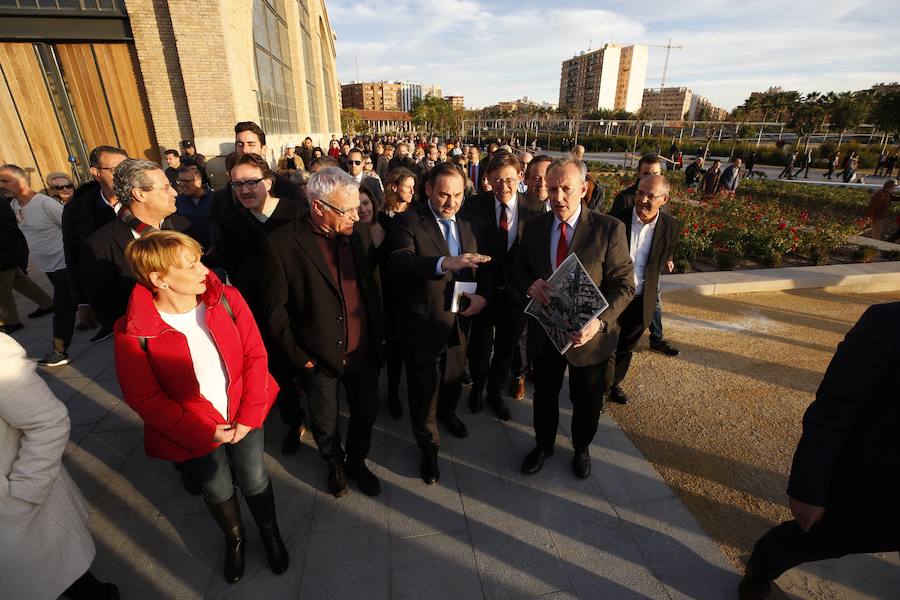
(410, 255)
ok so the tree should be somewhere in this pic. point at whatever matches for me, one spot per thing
(885, 113)
(806, 116)
(432, 114)
(845, 111)
(351, 122)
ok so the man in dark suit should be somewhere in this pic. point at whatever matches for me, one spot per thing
(599, 242)
(843, 489)
(649, 164)
(431, 248)
(147, 200)
(496, 330)
(324, 307)
(401, 159)
(536, 184)
(241, 238)
(651, 235)
(423, 168)
(93, 206)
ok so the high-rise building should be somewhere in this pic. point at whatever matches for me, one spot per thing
(380, 95)
(432, 90)
(704, 110)
(456, 102)
(666, 104)
(611, 77)
(119, 73)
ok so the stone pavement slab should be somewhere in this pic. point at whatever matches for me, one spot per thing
(484, 531)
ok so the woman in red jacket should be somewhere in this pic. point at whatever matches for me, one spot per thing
(191, 363)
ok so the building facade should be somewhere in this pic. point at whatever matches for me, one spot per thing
(146, 74)
(666, 104)
(456, 102)
(611, 77)
(386, 121)
(380, 95)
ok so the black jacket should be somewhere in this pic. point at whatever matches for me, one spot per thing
(224, 203)
(380, 164)
(624, 199)
(108, 279)
(13, 247)
(85, 213)
(406, 163)
(665, 237)
(415, 244)
(848, 457)
(599, 242)
(303, 301)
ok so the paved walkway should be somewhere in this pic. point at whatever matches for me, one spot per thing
(485, 531)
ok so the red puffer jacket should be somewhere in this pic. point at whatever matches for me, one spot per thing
(159, 383)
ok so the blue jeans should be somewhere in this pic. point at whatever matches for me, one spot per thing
(213, 472)
(656, 331)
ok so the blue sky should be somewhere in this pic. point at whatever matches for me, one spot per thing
(501, 50)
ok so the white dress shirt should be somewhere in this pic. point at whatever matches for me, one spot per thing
(570, 234)
(511, 217)
(639, 248)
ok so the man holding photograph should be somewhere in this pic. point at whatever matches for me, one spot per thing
(599, 242)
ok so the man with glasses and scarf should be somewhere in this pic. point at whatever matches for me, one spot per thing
(324, 312)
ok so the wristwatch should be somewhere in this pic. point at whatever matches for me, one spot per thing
(603, 327)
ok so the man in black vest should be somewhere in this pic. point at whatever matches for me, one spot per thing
(843, 489)
(651, 235)
(432, 247)
(324, 307)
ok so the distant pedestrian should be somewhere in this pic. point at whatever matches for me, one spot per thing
(789, 166)
(879, 205)
(711, 178)
(891, 163)
(694, 173)
(881, 165)
(832, 165)
(750, 163)
(731, 176)
(805, 162)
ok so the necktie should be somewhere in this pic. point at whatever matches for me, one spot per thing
(450, 234)
(504, 220)
(562, 247)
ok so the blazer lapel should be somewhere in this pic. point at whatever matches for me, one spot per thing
(467, 238)
(430, 224)
(308, 244)
(581, 232)
(542, 247)
(656, 243)
(122, 234)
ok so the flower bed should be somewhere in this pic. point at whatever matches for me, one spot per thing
(765, 224)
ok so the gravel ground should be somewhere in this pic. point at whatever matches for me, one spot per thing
(721, 421)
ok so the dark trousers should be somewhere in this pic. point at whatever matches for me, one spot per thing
(786, 172)
(434, 383)
(787, 546)
(631, 328)
(290, 408)
(497, 329)
(393, 359)
(586, 389)
(521, 362)
(803, 168)
(360, 380)
(216, 471)
(64, 310)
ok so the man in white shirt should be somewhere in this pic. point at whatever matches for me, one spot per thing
(40, 219)
(652, 235)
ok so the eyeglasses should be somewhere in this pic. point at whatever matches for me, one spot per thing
(65, 186)
(354, 162)
(510, 181)
(341, 211)
(166, 187)
(642, 194)
(250, 183)
(106, 168)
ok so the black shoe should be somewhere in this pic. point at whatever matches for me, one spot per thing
(618, 395)
(581, 464)
(262, 507)
(454, 425)
(663, 347)
(476, 403)
(500, 408)
(293, 440)
(12, 328)
(429, 470)
(535, 460)
(395, 407)
(228, 518)
(367, 482)
(104, 333)
(40, 312)
(751, 589)
(54, 359)
(337, 479)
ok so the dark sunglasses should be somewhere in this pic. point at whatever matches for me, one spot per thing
(355, 162)
(65, 186)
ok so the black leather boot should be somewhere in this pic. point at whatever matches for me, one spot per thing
(228, 518)
(262, 507)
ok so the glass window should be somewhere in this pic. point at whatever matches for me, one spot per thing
(312, 94)
(275, 95)
(326, 77)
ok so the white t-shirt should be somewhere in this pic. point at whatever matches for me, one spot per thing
(41, 222)
(205, 356)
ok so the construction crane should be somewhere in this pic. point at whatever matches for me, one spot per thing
(668, 48)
